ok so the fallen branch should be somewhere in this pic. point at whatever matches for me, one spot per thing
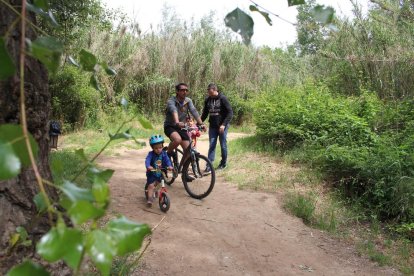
(146, 210)
(273, 227)
(211, 220)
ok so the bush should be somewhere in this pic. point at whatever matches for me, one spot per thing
(74, 101)
(360, 143)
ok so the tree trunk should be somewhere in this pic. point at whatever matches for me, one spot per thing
(16, 195)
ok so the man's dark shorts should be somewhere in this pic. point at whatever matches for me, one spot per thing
(170, 129)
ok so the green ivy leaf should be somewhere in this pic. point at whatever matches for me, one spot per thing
(295, 2)
(127, 234)
(73, 61)
(9, 162)
(82, 211)
(61, 243)
(87, 60)
(27, 268)
(40, 203)
(264, 14)
(48, 50)
(7, 68)
(101, 248)
(94, 82)
(323, 15)
(241, 23)
(13, 134)
(145, 123)
(74, 193)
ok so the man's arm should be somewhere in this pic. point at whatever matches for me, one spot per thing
(229, 115)
(205, 111)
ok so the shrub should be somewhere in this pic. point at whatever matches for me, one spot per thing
(74, 101)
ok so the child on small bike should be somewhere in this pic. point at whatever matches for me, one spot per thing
(157, 158)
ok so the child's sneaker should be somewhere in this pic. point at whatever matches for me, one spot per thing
(149, 202)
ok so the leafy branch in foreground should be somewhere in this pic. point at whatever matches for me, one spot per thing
(67, 241)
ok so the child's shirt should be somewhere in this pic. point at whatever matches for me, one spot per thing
(156, 161)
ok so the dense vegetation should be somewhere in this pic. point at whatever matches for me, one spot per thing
(344, 95)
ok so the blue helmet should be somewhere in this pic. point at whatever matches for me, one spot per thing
(156, 139)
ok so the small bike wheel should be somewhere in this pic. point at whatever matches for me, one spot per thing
(164, 202)
(197, 182)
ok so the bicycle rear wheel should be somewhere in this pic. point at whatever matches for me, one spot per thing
(197, 182)
(171, 176)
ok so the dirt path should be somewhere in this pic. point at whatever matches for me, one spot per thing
(231, 232)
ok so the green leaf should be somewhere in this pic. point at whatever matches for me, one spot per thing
(22, 233)
(9, 162)
(110, 71)
(52, 19)
(145, 123)
(264, 14)
(57, 166)
(40, 203)
(87, 60)
(43, 4)
(122, 135)
(74, 193)
(241, 23)
(323, 15)
(48, 50)
(94, 172)
(73, 61)
(61, 243)
(7, 68)
(295, 2)
(101, 248)
(82, 211)
(81, 154)
(13, 134)
(94, 82)
(27, 268)
(127, 234)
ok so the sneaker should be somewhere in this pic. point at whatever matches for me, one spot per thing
(207, 170)
(149, 202)
(190, 178)
(221, 167)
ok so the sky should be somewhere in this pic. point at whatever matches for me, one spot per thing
(281, 33)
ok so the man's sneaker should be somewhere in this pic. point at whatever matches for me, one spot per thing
(189, 178)
(221, 166)
(207, 170)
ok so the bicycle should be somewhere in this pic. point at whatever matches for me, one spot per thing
(197, 181)
(163, 199)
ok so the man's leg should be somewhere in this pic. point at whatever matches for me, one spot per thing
(175, 141)
(212, 137)
(223, 146)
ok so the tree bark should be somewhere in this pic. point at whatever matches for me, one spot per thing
(16, 195)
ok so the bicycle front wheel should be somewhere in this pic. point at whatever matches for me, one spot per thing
(197, 181)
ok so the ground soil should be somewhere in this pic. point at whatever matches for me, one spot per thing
(231, 232)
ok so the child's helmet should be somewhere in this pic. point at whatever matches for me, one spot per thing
(156, 139)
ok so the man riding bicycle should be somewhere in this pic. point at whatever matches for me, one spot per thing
(179, 107)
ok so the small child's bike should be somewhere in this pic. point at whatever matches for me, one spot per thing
(161, 192)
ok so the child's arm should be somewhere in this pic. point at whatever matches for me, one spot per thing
(166, 162)
(148, 161)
